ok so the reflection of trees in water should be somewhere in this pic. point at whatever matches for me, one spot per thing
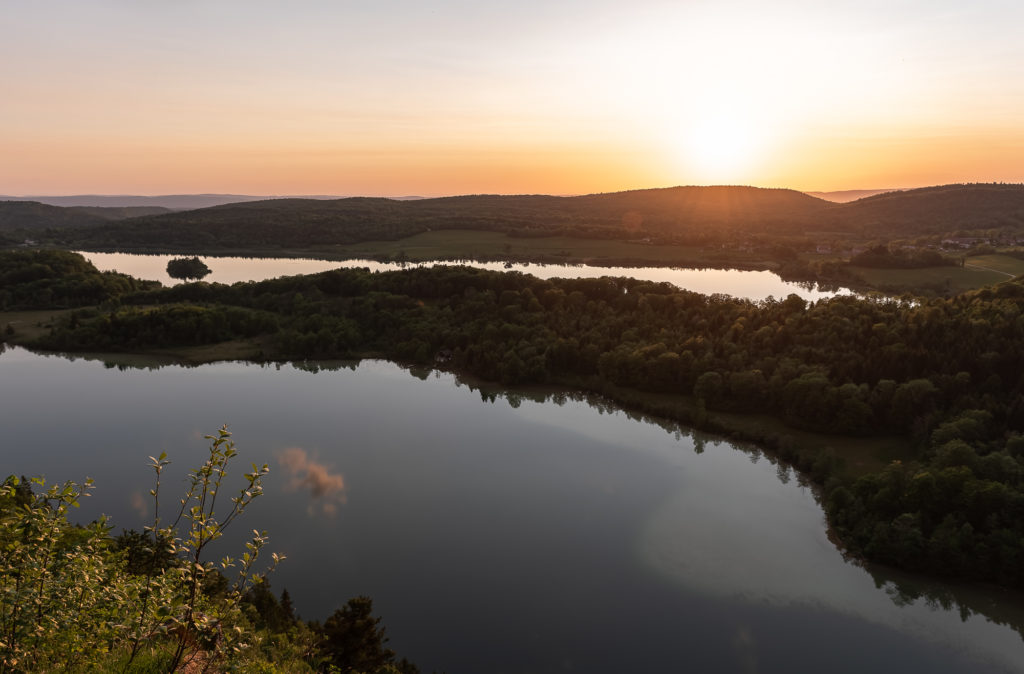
(489, 393)
(785, 471)
(126, 361)
(903, 589)
(120, 362)
(315, 366)
(996, 605)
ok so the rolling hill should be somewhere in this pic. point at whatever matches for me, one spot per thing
(686, 215)
(845, 196)
(935, 210)
(677, 212)
(32, 215)
(167, 201)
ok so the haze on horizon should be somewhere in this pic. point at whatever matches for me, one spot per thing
(405, 98)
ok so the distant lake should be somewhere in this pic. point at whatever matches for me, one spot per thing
(503, 532)
(753, 285)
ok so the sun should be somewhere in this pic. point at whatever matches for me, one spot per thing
(721, 146)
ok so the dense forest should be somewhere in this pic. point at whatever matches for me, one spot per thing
(187, 268)
(884, 257)
(54, 278)
(946, 374)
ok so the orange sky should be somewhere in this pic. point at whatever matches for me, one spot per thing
(406, 98)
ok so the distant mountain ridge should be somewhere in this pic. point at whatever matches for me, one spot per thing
(845, 196)
(695, 211)
(935, 210)
(176, 202)
(168, 201)
(685, 214)
(32, 215)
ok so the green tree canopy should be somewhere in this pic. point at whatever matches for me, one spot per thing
(187, 268)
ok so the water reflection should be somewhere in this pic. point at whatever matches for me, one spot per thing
(537, 528)
(996, 605)
(326, 489)
(753, 285)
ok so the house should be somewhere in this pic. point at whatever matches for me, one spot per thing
(961, 241)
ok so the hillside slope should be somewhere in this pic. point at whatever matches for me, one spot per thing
(167, 201)
(681, 215)
(845, 196)
(31, 215)
(934, 210)
(677, 212)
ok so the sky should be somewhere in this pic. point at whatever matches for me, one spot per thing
(397, 98)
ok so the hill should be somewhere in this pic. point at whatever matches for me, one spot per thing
(933, 210)
(845, 196)
(167, 201)
(31, 215)
(717, 216)
(678, 213)
(121, 212)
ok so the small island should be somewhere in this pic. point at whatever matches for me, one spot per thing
(187, 268)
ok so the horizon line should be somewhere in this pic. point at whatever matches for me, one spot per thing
(465, 194)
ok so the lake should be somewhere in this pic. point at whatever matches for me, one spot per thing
(753, 285)
(504, 532)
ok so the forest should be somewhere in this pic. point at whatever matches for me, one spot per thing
(944, 374)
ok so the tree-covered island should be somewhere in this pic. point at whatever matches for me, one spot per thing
(187, 268)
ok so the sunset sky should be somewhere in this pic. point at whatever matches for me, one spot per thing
(400, 98)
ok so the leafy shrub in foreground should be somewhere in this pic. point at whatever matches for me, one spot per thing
(70, 600)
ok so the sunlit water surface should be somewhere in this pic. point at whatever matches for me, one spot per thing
(754, 285)
(501, 534)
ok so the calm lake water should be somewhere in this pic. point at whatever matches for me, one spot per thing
(754, 285)
(503, 533)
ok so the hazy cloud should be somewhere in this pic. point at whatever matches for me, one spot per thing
(326, 489)
(746, 650)
(139, 504)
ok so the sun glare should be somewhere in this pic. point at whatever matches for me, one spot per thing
(720, 146)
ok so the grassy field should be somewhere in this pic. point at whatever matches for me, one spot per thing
(235, 349)
(481, 245)
(943, 279)
(28, 325)
(1009, 266)
(859, 455)
(473, 244)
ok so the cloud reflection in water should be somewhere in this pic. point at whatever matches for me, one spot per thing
(326, 489)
